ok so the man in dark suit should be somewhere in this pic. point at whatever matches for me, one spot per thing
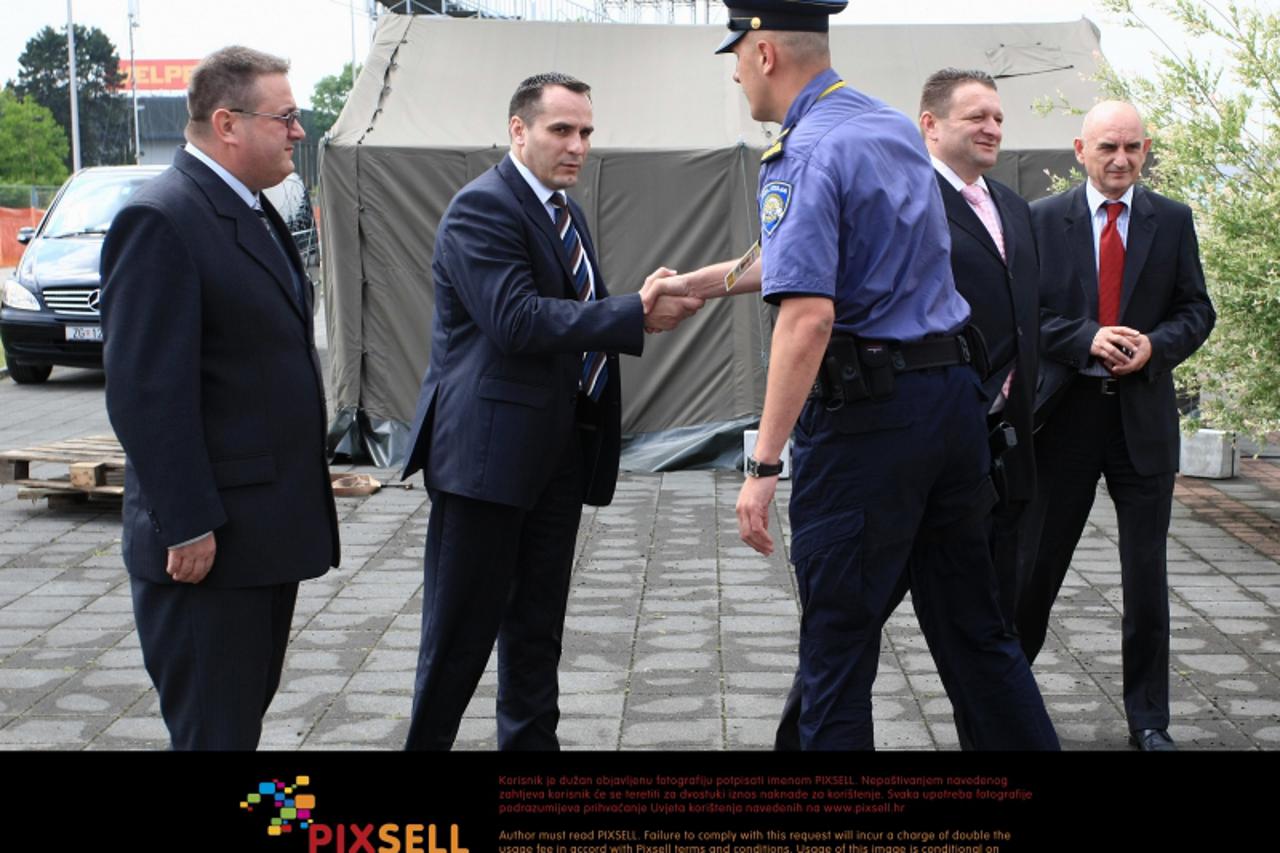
(518, 422)
(1123, 302)
(214, 389)
(993, 259)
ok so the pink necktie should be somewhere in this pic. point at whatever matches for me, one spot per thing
(981, 204)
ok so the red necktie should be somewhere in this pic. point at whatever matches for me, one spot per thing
(1110, 267)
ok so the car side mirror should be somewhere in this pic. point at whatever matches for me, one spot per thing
(25, 234)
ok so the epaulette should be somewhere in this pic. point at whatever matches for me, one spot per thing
(774, 151)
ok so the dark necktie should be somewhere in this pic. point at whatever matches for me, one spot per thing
(1110, 267)
(595, 372)
(298, 292)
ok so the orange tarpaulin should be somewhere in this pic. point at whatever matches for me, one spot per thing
(11, 219)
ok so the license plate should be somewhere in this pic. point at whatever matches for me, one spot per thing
(84, 333)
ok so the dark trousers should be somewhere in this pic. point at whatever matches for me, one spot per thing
(1082, 441)
(1006, 529)
(1005, 526)
(496, 572)
(894, 494)
(215, 657)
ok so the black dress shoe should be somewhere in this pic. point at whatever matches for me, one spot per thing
(1152, 740)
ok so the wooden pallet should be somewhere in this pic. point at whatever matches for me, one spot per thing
(70, 499)
(95, 466)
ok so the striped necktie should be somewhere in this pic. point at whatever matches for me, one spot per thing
(595, 372)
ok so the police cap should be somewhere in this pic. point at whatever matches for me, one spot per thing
(804, 15)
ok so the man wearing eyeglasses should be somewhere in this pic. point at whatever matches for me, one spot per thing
(214, 389)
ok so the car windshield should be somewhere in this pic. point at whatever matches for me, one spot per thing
(91, 201)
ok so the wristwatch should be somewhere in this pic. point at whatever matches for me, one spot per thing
(757, 469)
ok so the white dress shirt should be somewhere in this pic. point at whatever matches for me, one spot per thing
(1096, 206)
(958, 183)
(544, 194)
(249, 198)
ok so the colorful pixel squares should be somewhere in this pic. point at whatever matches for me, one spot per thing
(290, 807)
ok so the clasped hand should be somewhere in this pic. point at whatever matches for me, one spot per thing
(667, 300)
(1120, 349)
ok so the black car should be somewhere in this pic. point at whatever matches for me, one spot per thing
(49, 307)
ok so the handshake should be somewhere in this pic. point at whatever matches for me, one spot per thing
(668, 300)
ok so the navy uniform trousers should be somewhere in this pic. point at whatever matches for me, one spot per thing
(1005, 526)
(894, 494)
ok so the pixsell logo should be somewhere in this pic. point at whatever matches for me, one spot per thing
(285, 810)
(281, 805)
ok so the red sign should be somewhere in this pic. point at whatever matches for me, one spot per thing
(158, 75)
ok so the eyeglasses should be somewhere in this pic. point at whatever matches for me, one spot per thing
(290, 119)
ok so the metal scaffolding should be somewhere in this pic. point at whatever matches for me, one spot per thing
(594, 11)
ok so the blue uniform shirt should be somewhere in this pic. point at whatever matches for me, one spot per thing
(850, 210)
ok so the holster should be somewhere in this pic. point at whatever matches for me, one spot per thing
(856, 368)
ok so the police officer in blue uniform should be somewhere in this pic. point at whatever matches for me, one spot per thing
(870, 373)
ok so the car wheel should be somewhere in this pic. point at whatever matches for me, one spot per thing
(29, 374)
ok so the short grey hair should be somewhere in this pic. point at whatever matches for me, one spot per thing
(805, 48)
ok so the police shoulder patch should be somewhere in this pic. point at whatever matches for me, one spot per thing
(775, 198)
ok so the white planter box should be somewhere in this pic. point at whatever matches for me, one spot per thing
(1209, 453)
(749, 447)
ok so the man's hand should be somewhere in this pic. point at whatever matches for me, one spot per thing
(1140, 349)
(666, 300)
(799, 339)
(753, 512)
(1115, 346)
(190, 563)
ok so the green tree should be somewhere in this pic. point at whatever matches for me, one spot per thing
(1216, 125)
(105, 137)
(329, 96)
(32, 144)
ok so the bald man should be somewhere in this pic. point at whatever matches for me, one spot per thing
(1123, 302)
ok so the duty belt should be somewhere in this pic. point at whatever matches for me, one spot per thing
(858, 369)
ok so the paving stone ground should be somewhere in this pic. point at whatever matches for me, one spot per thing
(678, 636)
